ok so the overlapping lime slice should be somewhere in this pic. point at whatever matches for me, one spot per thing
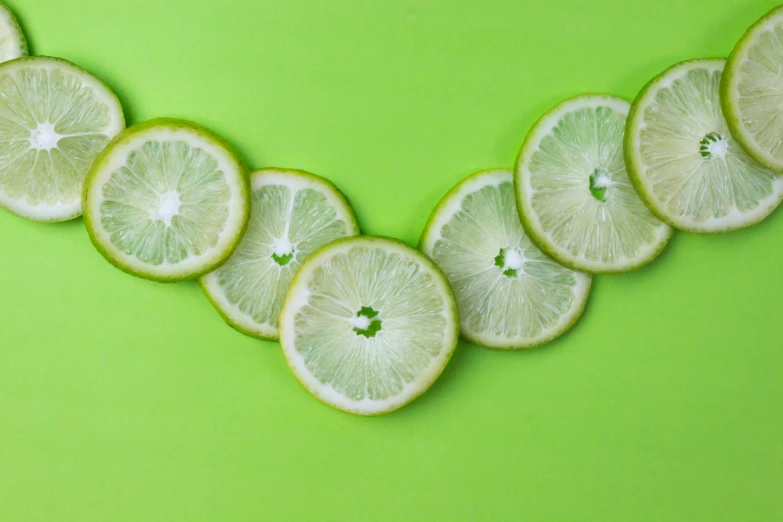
(573, 193)
(752, 90)
(12, 42)
(54, 120)
(685, 163)
(167, 200)
(510, 295)
(293, 213)
(368, 324)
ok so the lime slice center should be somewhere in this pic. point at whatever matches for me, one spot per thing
(168, 208)
(713, 146)
(44, 137)
(511, 261)
(366, 322)
(599, 182)
(283, 251)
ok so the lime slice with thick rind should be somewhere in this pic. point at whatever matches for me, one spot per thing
(167, 200)
(368, 324)
(573, 193)
(510, 295)
(685, 163)
(54, 120)
(752, 90)
(292, 214)
(12, 42)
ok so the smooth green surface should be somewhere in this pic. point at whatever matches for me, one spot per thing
(121, 399)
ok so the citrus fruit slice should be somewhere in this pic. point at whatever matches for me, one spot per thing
(12, 42)
(166, 200)
(54, 120)
(573, 193)
(683, 160)
(292, 214)
(752, 90)
(510, 295)
(368, 324)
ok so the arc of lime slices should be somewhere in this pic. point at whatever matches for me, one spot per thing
(368, 324)
(167, 200)
(56, 118)
(573, 193)
(510, 295)
(293, 213)
(752, 90)
(685, 163)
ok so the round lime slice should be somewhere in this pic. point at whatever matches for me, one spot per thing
(685, 163)
(368, 324)
(510, 295)
(292, 214)
(752, 90)
(167, 200)
(55, 119)
(12, 42)
(573, 193)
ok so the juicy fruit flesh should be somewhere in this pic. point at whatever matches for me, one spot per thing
(51, 129)
(581, 193)
(170, 201)
(517, 293)
(285, 227)
(760, 89)
(692, 164)
(411, 308)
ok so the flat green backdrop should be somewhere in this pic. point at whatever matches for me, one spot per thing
(124, 400)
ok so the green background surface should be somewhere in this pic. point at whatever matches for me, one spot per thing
(121, 399)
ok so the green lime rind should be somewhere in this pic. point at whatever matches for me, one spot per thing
(123, 140)
(530, 224)
(287, 333)
(729, 91)
(62, 212)
(18, 45)
(441, 216)
(635, 167)
(234, 317)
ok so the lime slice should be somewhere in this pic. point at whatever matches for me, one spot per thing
(167, 200)
(292, 214)
(573, 193)
(752, 90)
(510, 295)
(54, 119)
(12, 42)
(368, 324)
(683, 161)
